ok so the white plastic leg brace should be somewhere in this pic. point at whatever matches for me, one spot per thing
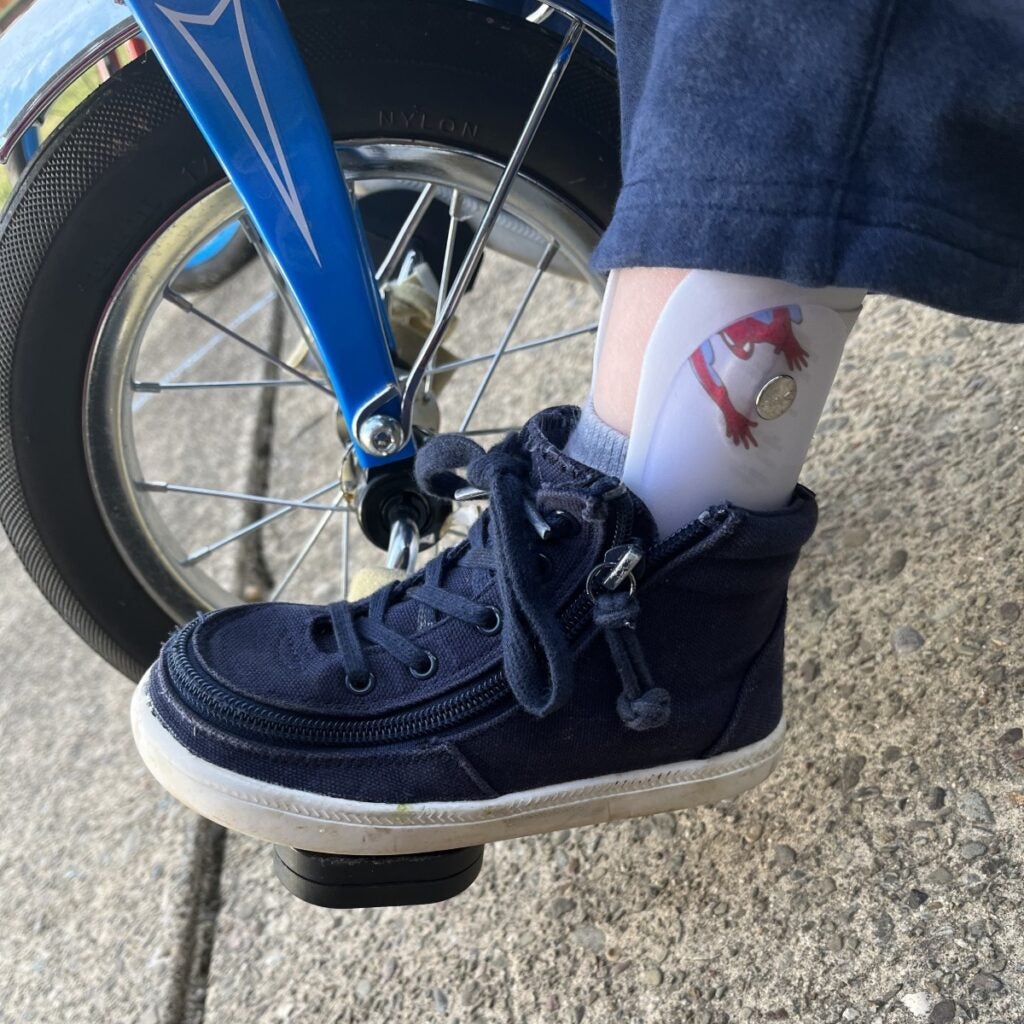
(734, 379)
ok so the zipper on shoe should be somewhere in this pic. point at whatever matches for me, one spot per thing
(225, 709)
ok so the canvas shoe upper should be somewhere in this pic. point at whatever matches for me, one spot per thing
(562, 642)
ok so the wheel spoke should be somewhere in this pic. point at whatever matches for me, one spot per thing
(162, 487)
(574, 332)
(393, 259)
(538, 273)
(488, 220)
(454, 207)
(183, 304)
(285, 293)
(449, 250)
(208, 549)
(159, 386)
(306, 548)
(209, 345)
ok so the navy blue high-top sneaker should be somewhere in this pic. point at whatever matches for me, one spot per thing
(560, 667)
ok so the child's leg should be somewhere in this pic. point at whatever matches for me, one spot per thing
(634, 300)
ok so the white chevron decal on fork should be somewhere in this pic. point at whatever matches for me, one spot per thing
(280, 175)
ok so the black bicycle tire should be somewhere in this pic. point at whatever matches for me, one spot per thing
(125, 160)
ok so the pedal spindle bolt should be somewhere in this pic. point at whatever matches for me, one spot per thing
(380, 435)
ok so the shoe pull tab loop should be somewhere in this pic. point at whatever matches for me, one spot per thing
(641, 705)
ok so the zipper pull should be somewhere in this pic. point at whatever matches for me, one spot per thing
(618, 571)
(623, 568)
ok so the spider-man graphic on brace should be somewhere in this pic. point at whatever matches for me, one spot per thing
(768, 326)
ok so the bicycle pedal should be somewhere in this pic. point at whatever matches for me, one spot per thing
(346, 882)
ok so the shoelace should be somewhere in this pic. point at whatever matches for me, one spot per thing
(506, 542)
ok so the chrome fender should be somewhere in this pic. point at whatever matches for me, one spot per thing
(44, 46)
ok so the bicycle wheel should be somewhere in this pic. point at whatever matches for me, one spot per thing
(159, 458)
(225, 254)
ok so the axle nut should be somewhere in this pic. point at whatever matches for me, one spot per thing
(380, 435)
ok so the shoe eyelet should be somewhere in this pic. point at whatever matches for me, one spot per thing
(563, 524)
(491, 627)
(360, 685)
(427, 670)
(546, 568)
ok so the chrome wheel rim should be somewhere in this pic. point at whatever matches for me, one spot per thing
(178, 534)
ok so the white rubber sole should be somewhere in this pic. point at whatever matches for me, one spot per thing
(323, 824)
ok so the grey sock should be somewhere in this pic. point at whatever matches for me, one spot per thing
(597, 445)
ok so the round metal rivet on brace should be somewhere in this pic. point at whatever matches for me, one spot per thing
(380, 435)
(775, 397)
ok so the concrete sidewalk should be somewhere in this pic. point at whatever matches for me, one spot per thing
(876, 877)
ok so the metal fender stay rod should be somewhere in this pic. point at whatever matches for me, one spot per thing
(487, 222)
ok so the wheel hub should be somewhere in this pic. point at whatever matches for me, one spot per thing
(390, 495)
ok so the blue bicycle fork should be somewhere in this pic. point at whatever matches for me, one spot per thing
(237, 68)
